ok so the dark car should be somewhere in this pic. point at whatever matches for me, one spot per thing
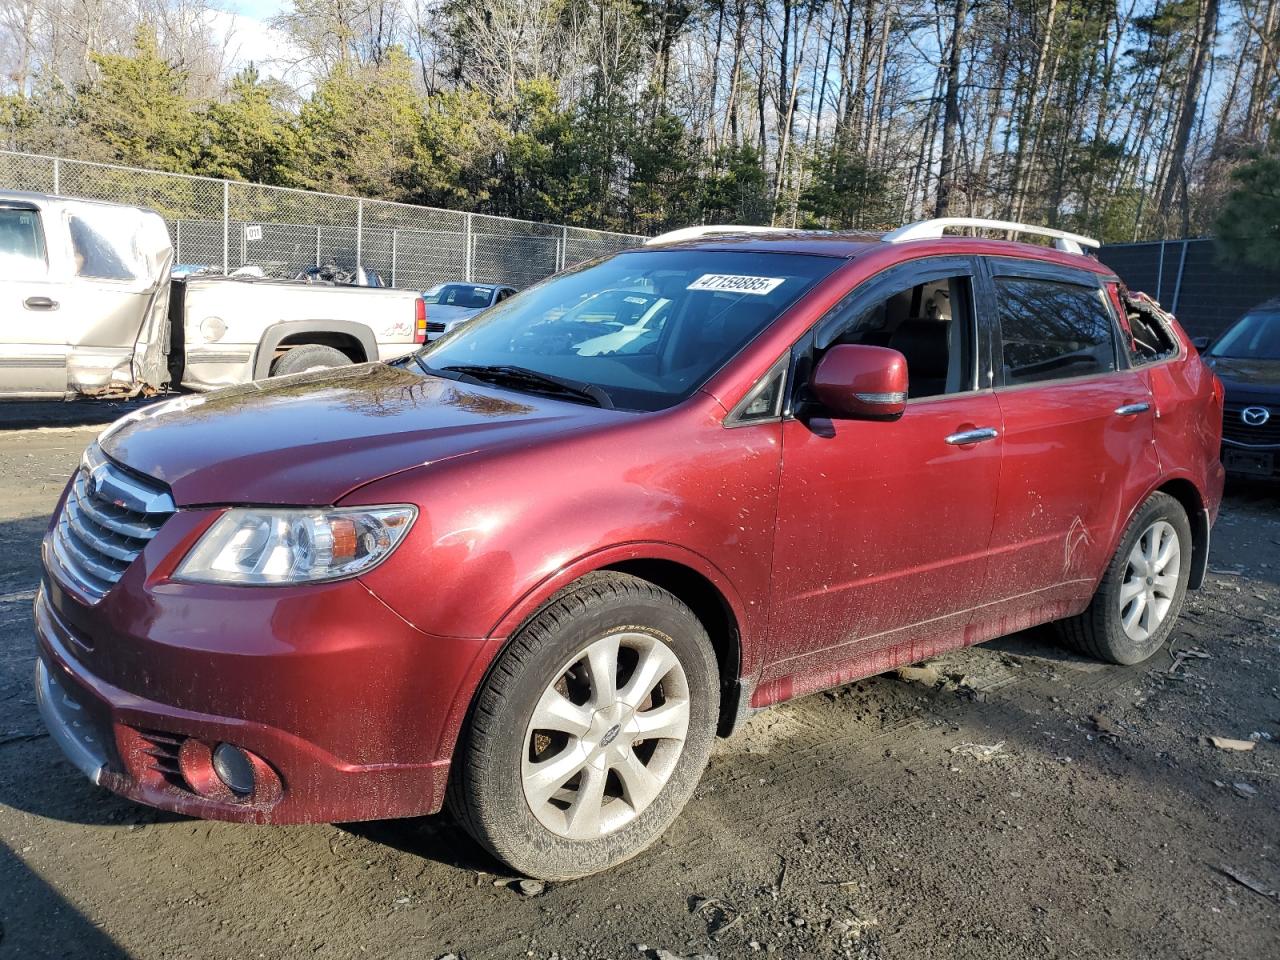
(535, 578)
(1247, 360)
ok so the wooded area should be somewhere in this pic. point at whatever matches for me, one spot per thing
(1124, 119)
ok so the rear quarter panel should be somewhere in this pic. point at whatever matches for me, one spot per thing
(1188, 424)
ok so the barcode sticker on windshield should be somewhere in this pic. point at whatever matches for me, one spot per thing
(731, 283)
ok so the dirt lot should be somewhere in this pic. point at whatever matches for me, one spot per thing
(1026, 804)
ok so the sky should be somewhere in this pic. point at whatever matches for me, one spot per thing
(251, 38)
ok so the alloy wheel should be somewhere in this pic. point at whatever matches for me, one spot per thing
(605, 736)
(1150, 581)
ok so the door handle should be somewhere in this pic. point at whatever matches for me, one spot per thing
(977, 435)
(1131, 409)
(40, 303)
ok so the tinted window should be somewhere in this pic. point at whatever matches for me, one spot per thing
(646, 326)
(1051, 330)
(1256, 336)
(21, 241)
(931, 324)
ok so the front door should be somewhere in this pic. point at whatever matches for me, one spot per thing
(33, 350)
(886, 525)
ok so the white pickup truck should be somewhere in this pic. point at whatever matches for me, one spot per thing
(88, 308)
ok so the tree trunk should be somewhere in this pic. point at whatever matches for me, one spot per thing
(1200, 55)
(951, 114)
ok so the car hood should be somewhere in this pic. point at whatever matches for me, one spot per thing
(1252, 378)
(446, 313)
(313, 438)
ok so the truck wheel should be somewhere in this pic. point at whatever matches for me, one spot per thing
(1138, 600)
(590, 732)
(309, 356)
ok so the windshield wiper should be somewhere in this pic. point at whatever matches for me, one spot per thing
(535, 380)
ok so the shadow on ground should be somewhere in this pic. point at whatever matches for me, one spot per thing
(37, 921)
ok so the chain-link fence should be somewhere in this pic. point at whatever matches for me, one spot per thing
(225, 225)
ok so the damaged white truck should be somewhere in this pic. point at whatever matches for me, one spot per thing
(88, 308)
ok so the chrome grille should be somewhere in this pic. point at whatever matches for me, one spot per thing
(108, 517)
(1235, 430)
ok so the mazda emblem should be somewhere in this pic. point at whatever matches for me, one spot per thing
(1255, 416)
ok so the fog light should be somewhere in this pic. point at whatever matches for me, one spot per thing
(234, 768)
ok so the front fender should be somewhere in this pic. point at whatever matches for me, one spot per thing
(529, 604)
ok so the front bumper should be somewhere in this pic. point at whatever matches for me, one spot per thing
(1249, 461)
(335, 730)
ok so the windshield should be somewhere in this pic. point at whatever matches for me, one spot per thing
(646, 327)
(1256, 336)
(459, 295)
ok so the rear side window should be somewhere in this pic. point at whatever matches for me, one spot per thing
(1051, 330)
(95, 255)
(21, 241)
(1149, 336)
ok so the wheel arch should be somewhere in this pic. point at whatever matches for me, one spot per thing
(356, 340)
(711, 607)
(1183, 489)
(1188, 494)
(686, 574)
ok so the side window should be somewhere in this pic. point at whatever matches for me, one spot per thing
(94, 253)
(1148, 333)
(764, 401)
(931, 324)
(1050, 330)
(21, 242)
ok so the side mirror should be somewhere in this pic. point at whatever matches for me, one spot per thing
(1201, 343)
(859, 382)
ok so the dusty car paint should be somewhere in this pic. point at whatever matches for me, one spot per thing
(356, 691)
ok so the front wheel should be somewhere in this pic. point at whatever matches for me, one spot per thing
(1141, 594)
(590, 732)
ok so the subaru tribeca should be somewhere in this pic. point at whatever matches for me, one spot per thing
(534, 569)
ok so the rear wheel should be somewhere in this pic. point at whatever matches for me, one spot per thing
(307, 357)
(590, 732)
(1141, 594)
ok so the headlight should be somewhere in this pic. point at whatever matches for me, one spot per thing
(283, 545)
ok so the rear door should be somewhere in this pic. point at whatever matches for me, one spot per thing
(33, 349)
(1078, 431)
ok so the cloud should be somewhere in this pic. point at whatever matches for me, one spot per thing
(248, 38)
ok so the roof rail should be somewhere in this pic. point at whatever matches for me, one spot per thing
(710, 229)
(932, 229)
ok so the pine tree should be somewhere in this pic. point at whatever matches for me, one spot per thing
(1249, 225)
(249, 135)
(138, 110)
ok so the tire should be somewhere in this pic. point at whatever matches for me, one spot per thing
(1101, 631)
(501, 789)
(309, 356)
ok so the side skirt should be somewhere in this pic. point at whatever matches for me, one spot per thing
(866, 657)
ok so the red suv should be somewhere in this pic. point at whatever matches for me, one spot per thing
(534, 569)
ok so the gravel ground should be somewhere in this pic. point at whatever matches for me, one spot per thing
(1013, 801)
